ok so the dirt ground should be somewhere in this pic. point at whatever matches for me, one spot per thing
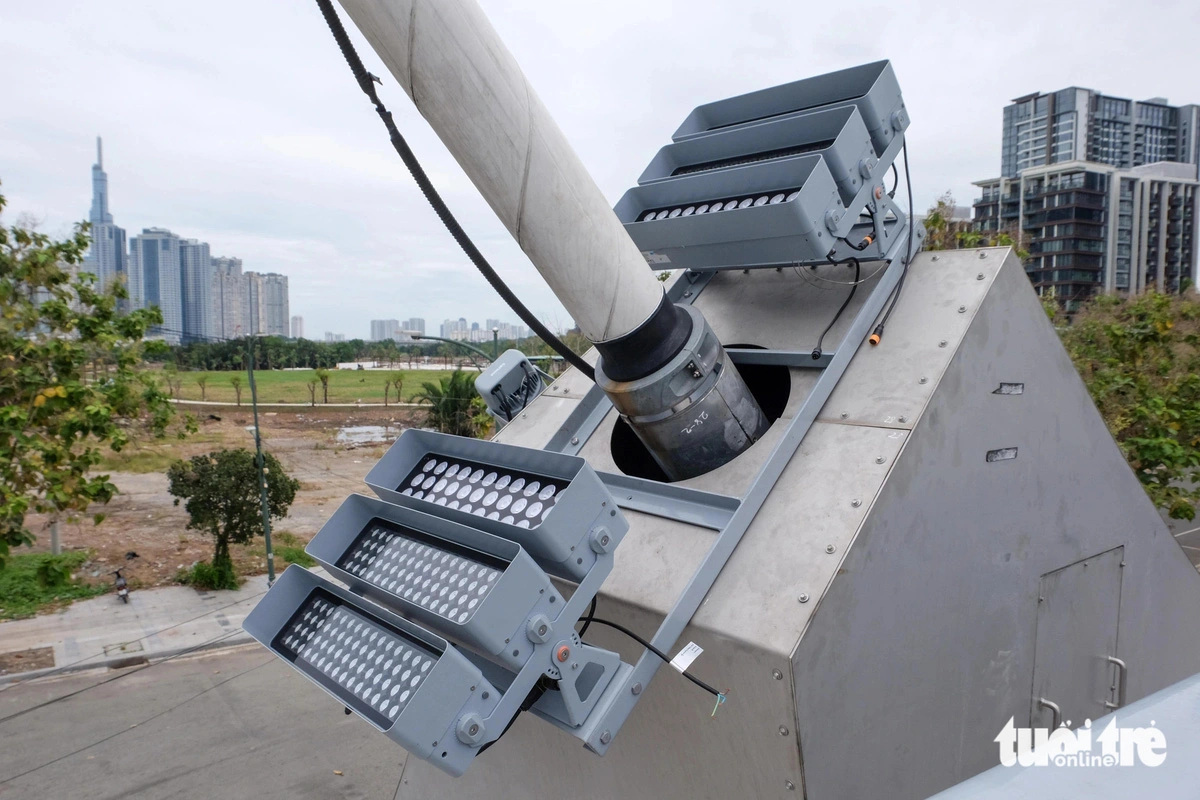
(144, 519)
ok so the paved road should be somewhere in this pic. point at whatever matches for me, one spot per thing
(233, 724)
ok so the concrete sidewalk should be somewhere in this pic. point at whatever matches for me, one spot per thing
(155, 624)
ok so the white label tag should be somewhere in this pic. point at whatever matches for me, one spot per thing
(684, 658)
(655, 258)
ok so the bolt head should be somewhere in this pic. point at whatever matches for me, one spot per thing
(776, 674)
(923, 381)
(563, 654)
(636, 689)
(982, 254)
(605, 737)
(844, 415)
(943, 343)
(783, 731)
(791, 787)
(855, 503)
(979, 277)
(804, 595)
(830, 549)
(574, 440)
(962, 309)
(935, 258)
(902, 420)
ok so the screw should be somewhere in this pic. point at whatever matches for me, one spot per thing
(688, 293)
(604, 540)
(979, 277)
(845, 415)
(830, 549)
(923, 381)
(962, 309)
(783, 731)
(804, 596)
(880, 460)
(982, 254)
(791, 787)
(776, 674)
(474, 729)
(902, 420)
(542, 630)
(935, 258)
(855, 503)
(574, 440)
(605, 737)
(563, 654)
(636, 689)
(943, 343)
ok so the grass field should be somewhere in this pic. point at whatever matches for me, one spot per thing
(291, 386)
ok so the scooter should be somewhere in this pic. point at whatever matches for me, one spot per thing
(122, 587)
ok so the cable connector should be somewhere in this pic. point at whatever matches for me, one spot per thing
(876, 335)
(816, 354)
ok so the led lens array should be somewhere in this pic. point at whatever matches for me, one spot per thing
(511, 496)
(713, 206)
(373, 669)
(450, 584)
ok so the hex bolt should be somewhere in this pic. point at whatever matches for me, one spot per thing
(804, 595)
(574, 440)
(605, 737)
(943, 343)
(923, 381)
(962, 309)
(636, 689)
(855, 503)
(880, 460)
(902, 420)
(783, 731)
(776, 674)
(979, 277)
(830, 549)
(982, 254)
(688, 293)
(845, 415)
(791, 787)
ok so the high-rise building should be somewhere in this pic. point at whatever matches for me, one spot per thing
(196, 279)
(267, 306)
(1084, 125)
(154, 279)
(297, 327)
(384, 329)
(227, 299)
(1092, 228)
(106, 257)
(334, 337)
(414, 325)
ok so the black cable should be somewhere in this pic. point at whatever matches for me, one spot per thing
(877, 334)
(666, 658)
(366, 81)
(895, 180)
(816, 353)
(587, 618)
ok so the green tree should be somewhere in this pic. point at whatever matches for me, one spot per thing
(1140, 359)
(54, 418)
(224, 500)
(323, 377)
(312, 391)
(202, 382)
(454, 405)
(236, 382)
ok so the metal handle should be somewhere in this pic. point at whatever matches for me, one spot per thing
(1055, 712)
(1122, 682)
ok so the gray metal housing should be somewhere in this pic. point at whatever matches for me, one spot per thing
(560, 544)
(453, 689)
(873, 88)
(521, 591)
(838, 135)
(879, 621)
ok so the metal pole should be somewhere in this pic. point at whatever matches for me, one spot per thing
(55, 544)
(495, 343)
(262, 467)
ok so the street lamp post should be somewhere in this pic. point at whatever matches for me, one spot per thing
(472, 348)
(495, 343)
(262, 466)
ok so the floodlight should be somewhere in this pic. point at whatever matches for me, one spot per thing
(552, 504)
(871, 88)
(409, 683)
(465, 584)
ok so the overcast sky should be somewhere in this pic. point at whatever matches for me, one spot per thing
(237, 121)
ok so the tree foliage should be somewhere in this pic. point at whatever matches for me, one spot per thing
(944, 232)
(55, 329)
(224, 500)
(1140, 359)
(454, 405)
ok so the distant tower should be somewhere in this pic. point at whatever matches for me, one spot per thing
(106, 257)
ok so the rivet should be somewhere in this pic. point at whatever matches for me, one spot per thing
(855, 503)
(803, 597)
(791, 787)
(935, 258)
(574, 440)
(688, 293)
(783, 731)
(776, 674)
(943, 343)
(923, 381)
(830, 549)
(982, 254)
(979, 277)
(636, 689)
(962, 309)
(902, 420)
(880, 460)
(605, 737)
(845, 415)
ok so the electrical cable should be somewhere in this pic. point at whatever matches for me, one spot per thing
(877, 334)
(895, 180)
(587, 618)
(134, 727)
(816, 353)
(666, 658)
(366, 81)
(117, 677)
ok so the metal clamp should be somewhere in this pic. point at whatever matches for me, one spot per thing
(1055, 712)
(1122, 684)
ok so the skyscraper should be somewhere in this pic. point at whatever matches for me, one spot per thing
(297, 327)
(414, 325)
(267, 306)
(384, 329)
(196, 277)
(154, 279)
(227, 299)
(106, 255)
